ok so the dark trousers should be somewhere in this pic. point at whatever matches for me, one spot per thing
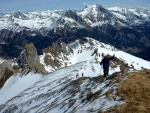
(106, 72)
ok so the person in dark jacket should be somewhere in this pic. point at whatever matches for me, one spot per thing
(105, 63)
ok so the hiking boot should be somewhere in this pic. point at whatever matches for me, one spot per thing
(108, 76)
(104, 78)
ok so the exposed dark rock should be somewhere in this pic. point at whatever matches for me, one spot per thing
(52, 54)
(11, 109)
(144, 54)
(98, 79)
(6, 71)
(71, 102)
(2, 106)
(80, 20)
(28, 59)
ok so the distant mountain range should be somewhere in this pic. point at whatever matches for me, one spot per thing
(126, 29)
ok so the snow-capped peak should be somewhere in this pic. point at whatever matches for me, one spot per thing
(130, 15)
(93, 15)
(117, 8)
(30, 20)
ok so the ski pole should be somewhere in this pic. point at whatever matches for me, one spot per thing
(100, 70)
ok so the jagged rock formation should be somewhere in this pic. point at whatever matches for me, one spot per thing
(77, 18)
(6, 71)
(28, 59)
(57, 55)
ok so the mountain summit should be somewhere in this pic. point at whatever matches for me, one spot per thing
(74, 82)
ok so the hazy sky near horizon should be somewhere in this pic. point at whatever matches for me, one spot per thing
(40, 5)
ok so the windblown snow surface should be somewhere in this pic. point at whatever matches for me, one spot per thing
(62, 91)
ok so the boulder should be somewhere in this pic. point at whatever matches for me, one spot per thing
(6, 71)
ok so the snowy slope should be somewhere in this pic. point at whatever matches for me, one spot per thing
(84, 51)
(105, 49)
(32, 20)
(93, 15)
(57, 92)
(131, 16)
(62, 90)
(17, 84)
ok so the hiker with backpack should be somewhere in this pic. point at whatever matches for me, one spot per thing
(105, 63)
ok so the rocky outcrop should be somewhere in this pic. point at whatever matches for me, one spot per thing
(77, 18)
(57, 55)
(6, 71)
(28, 59)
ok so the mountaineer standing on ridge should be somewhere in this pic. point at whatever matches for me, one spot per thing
(105, 63)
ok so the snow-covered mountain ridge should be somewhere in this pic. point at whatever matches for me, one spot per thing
(57, 92)
(90, 49)
(62, 90)
(94, 15)
(30, 21)
(126, 29)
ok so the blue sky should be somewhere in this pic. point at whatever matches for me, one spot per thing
(40, 5)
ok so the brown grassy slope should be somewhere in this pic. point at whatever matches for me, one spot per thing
(136, 90)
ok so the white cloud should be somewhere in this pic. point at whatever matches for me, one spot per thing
(84, 3)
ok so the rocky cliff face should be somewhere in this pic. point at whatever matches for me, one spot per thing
(28, 59)
(6, 71)
(74, 16)
(57, 55)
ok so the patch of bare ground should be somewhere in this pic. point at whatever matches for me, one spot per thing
(136, 92)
